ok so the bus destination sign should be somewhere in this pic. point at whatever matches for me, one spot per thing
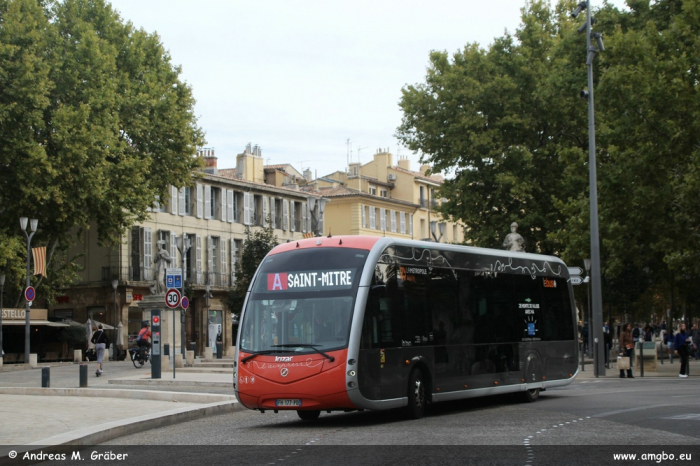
(319, 280)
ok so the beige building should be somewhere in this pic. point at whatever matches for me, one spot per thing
(380, 198)
(212, 215)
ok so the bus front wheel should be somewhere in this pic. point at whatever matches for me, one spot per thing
(309, 415)
(416, 395)
(529, 396)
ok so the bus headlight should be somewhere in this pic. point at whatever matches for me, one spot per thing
(352, 373)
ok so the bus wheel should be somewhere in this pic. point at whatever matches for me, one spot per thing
(416, 395)
(309, 415)
(529, 396)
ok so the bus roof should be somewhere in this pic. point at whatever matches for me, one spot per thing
(349, 241)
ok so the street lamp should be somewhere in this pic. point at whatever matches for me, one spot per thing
(2, 284)
(115, 284)
(597, 300)
(33, 224)
(183, 247)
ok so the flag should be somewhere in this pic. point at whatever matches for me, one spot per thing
(39, 261)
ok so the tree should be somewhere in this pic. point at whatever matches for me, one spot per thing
(497, 120)
(255, 248)
(94, 124)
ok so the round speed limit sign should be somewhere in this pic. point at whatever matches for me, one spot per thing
(172, 298)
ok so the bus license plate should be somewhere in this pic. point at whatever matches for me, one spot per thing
(288, 402)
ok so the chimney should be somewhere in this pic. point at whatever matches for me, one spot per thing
(307, 174)
(424, 168)
(210, 161)
(404, 163)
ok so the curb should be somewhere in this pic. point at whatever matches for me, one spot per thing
(169, 382)
(182, 397)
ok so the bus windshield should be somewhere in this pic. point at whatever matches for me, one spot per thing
(303, 298)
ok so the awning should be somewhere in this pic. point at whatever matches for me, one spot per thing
(35, 322)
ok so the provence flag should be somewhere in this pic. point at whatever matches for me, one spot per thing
(39, 261)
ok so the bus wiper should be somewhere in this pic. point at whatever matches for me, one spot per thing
(313, 347)
(257, 353)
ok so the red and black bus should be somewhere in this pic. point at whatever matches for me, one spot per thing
(355, 322)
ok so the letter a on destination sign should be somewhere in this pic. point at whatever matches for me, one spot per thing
(276, 281)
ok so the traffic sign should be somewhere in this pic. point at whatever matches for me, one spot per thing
(575, 270)
(184, 302)
(576, 280)
(173, 278)
(29, 293)
(172, 298)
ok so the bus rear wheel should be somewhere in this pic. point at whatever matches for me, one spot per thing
(529, 396)
(308, 415)
(416, 395)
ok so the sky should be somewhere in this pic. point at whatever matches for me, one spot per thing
(300, 78)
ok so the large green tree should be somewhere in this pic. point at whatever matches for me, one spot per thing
(507, 123)
(94, 125)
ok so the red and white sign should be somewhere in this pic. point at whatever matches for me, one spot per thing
(172, 298)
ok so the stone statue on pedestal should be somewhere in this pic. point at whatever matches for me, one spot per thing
(513, 241)
(161, 261)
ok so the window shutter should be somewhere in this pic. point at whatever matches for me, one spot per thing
(304, 216)
(224, 205)
(147, 253)
(372, 218)
(321, 213)
(207, 201)
(292, 216)
(229, 205)
(410, 224)
(402, 222)
(364, 217)
(273, 221)
(382, 219)
(173, 250)
(173, 200)
(181, 201)
(233, 261)
(246, 208)
(210, 259)
(393, 221)
(223, 273)
(251, 199)
(285, 216)
(200, 200)
(264, 210)
(199, 259)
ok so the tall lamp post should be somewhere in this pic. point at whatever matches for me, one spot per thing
(597, 300)
(183, 243)
(2, 284)
(33, 224)
(115, 285)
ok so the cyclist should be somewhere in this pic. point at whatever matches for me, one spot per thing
(142, 338)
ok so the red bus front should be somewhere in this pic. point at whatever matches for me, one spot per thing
(295, 327)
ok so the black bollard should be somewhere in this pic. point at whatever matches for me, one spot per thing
(166, 349)
(641, 359)
(45, 377)
(219, 350)
(83, 376)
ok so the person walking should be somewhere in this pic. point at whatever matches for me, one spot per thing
(99, 338)
(695, 334)
(668, 341)
(626, 349)
(680, 345)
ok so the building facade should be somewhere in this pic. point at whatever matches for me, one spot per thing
(213, 216)
(379, 198)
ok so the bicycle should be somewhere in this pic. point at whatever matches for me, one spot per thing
(137, 358)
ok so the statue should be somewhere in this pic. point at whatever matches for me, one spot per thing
(513, 241)
(162, 260)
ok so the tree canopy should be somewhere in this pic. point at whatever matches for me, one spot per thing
(509, 126)
(94, 125)
(255, 248)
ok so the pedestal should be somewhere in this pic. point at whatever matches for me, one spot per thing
(208, 354)
(32, 360)
(190, 358)
(78, 356)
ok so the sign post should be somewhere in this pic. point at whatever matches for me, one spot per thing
(172, 300)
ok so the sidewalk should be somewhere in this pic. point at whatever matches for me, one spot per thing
(123, 400)
(667, 369)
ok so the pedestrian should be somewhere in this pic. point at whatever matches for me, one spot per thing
(668, 341)
(695, 334)
(584, 336)
(99, 338)
(142, 338)
(680, 345)
(607, 340)
(626, 348)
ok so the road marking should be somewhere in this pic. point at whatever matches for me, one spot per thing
(610, 413)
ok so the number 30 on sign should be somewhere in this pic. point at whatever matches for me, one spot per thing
(172, 298)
